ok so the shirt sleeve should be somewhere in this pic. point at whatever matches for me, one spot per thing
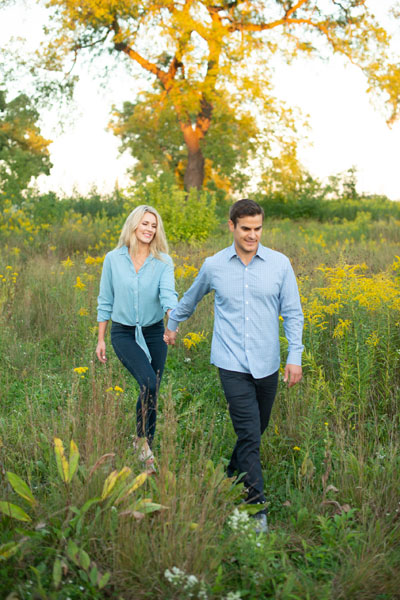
(105, 300)
(187, 304)
(292, 315)
(168, 295)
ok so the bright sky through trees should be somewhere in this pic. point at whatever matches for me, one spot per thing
(346, 130)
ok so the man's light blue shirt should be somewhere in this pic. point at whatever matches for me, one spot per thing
(139, 299)
(248, 302)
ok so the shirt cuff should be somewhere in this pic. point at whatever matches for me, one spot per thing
(294, 358)
(172, 324)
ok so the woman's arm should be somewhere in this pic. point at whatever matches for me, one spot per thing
(101, 345)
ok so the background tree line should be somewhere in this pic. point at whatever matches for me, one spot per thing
(206, 108)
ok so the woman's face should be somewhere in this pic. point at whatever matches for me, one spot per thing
(146, 230)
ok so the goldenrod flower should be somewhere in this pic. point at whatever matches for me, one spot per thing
(83, 312)
(81, 370)
(79, 284)
(192, 339)
(296, 448)
(118, 389)
(67, 263)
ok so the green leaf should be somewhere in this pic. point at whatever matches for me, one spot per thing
(103, 580)
(84, 559)
(11, 510)
(72, 551)
(93, 575)
(57, 573)
(21, 488)
(73, 459)
(8, 550)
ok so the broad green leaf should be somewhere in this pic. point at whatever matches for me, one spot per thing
(11, 510)
(57, 573)
(84, 559)
(8, 550)
(73, 459)
(103, 580)
(72, 551)
(62, 463)
(88, 504)
(93, 575)
(21, 488)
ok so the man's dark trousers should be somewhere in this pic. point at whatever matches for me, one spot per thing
(250, 403)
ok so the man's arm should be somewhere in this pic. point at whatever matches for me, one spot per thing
(187, 305)
(293, 325)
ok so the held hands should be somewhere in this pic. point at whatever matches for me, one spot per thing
(101, 352)
(170, 337)
(293, 374)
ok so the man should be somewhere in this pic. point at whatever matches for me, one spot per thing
(253, 286)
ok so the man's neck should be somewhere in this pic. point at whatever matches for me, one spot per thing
(245, 257)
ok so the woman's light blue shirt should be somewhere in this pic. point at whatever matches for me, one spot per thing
(137, 299)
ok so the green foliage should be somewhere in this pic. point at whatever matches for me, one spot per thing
(23, 151)
(58, 536)
(304, 197)
(187, 217)
(199, 68)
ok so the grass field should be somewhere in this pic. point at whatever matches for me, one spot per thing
(87, 524)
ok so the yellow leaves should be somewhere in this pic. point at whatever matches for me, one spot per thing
(113, 479)
(66, 469)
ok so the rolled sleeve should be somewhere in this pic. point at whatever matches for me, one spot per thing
(292, 316)
(105, 300)
(168, 295)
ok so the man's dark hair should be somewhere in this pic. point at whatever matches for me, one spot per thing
(244, 208)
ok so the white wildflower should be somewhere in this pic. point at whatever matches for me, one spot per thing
(239, 521)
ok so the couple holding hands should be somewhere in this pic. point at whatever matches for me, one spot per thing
(253, 287)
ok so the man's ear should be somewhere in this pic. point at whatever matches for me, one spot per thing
(231, 225)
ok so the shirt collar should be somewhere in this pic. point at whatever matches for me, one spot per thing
(125, 250)
(261, 251)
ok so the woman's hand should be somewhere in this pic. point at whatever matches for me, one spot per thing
(101, 351)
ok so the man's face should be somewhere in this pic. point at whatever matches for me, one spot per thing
(247, 233)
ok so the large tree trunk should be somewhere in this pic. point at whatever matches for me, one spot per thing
(194, 174)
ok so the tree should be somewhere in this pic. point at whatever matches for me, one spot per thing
(203, 56)
(23, 150)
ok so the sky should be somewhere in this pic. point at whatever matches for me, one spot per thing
(346, 129)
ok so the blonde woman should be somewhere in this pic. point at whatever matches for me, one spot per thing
(136, 290)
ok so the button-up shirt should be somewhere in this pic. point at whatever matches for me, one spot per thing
(140, 299)
(248, 302)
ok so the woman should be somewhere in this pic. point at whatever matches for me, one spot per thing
(136, 290)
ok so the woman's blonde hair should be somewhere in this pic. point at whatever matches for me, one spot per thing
(128, 238)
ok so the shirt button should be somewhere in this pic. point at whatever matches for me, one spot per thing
(246, 285)
(247, 302)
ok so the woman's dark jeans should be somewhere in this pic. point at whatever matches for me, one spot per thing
(148, 375)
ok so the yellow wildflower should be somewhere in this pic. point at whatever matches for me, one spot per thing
(83, 312)
(296, 448)
(118, 389)
(79, 284)
(192, 339)
(81, 370)
(67, 263)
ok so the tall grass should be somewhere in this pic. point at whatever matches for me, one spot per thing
(330, 455)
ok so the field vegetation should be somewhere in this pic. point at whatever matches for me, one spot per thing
(79, 519)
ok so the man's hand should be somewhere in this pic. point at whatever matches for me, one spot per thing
(293, 374)
(170, 337)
